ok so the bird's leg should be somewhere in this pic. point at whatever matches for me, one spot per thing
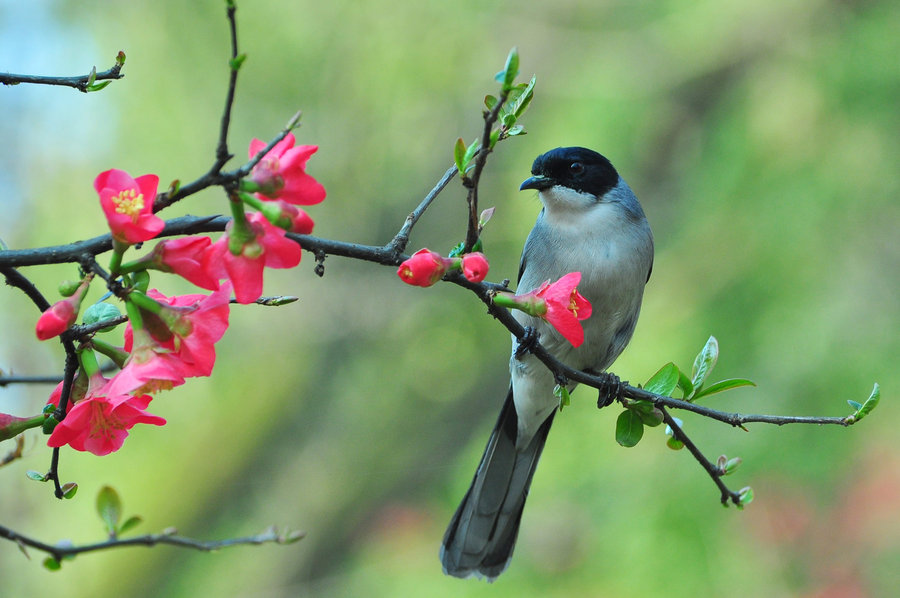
(527, 342)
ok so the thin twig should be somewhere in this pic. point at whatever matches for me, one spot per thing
(222, 153)
(398, 243)
(60, 552)
(78, 82)
(472, 182)
(714, 472)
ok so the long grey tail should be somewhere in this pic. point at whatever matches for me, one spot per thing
(482, 534)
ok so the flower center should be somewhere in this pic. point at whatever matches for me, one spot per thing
(573, 307)
(130, 203)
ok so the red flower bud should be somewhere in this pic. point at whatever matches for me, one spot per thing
(475, 266)
(423, 269)
(56, 320)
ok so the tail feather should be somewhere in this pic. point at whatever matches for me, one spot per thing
(482, 534)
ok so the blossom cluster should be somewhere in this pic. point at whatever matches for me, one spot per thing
(559, 304)
(426, 267)
(171, 339)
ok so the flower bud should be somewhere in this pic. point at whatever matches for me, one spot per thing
(475, 266)
(424, 268)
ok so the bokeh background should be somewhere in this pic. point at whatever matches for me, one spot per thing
(762, 138)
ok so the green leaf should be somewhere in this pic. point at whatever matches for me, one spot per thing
(705, 362)
(459, 152)
(516, 130)
(120, 58)
(723, 386)
(51, 564)
(36, 476)
(629, 428)
(664, 381)
(524, 98)
(508, 75)
(495, 137)
(69, 489)
(490, 101)
(856, 406)
(109, 507)
(294, 536)
(562, 393)
(731, 465)
(97, 86)
(684, 383)
(647, 411)
(674, 444)
(746, 496)
(130, 523)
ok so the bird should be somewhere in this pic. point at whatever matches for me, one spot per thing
(591, 222)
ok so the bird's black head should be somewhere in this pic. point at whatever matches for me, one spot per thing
(577, 168)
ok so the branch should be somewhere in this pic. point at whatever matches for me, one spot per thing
(222, 153)
(398, 243)
(59, 552)
(714, 472)
(472, 182)
(80, 82)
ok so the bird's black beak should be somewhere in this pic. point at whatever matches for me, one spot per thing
(537, 182)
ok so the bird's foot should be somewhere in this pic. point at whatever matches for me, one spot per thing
(527, 342)
(610, 390)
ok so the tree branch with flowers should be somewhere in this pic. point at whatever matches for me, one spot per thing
(170, 339)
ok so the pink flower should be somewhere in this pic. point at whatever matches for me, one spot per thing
(150, 367)
(281, 173)
(566, 307)
(559, 304)
(268, 248)
(424, 268)
(99, 423)
(196, 323)
(475, 266)
(56, 319)
(128, 205)
(185, 257)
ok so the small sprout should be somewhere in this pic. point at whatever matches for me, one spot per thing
(236, 62)
(130, 523)
(51, 564)
(36, 476)
(291, 537)
(69, 489)
(97, 86)
(867, 407)
(120, 58)
(745, 496)
(109, 507)
(562, 394)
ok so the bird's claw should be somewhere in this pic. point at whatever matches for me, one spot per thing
(610, 390)
(527, 342)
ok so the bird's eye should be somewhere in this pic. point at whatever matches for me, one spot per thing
(576, 168)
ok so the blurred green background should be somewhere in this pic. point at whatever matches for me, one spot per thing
(762, 138)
